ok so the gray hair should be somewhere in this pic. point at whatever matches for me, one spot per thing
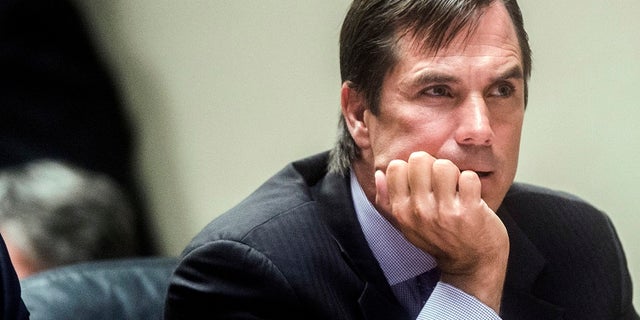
(58, 214)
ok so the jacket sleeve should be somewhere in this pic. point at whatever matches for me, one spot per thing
(226, 279)
(11, 305)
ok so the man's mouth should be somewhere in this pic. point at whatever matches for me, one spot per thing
(481, 174)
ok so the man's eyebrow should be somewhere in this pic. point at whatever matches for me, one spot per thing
(514, 72)
(427, 76)
(430, 76)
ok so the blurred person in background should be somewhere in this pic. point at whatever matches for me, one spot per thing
(54, 214)
(59, 101)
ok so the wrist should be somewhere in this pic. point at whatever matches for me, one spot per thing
(485, 283)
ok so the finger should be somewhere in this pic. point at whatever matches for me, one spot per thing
(420, 164)
(444, 181)
(470, 188)
(382, 193)
(397, 182)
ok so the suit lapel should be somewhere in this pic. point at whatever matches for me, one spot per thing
(376, 306)
(524, 266)
(377, 300)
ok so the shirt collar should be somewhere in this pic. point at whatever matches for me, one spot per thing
(399, 259)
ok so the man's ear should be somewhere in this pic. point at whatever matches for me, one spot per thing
(354, 106)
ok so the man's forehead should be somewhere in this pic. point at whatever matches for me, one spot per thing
(491, 23)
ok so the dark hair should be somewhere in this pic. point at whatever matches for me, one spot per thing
(368, 42)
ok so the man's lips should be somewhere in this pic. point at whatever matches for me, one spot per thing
(481, 174)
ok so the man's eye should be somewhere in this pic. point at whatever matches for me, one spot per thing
(504, 90)
(438, 91)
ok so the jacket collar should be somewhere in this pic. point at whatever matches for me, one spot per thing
(377, 300)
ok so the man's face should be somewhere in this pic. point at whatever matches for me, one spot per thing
(465, 104)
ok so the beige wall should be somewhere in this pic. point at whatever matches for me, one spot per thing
(226, 92)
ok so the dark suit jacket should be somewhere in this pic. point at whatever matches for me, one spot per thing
(294, 250)
(11, 305)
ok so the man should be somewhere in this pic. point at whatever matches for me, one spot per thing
(414, 214)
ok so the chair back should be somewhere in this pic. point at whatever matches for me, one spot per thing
(132, 288)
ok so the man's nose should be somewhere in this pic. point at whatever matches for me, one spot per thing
(474, 123)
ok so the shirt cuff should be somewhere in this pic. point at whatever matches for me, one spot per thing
(449, 302)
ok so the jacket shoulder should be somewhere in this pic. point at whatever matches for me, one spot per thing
(580, 247)
(288, 192)
(540, 202)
